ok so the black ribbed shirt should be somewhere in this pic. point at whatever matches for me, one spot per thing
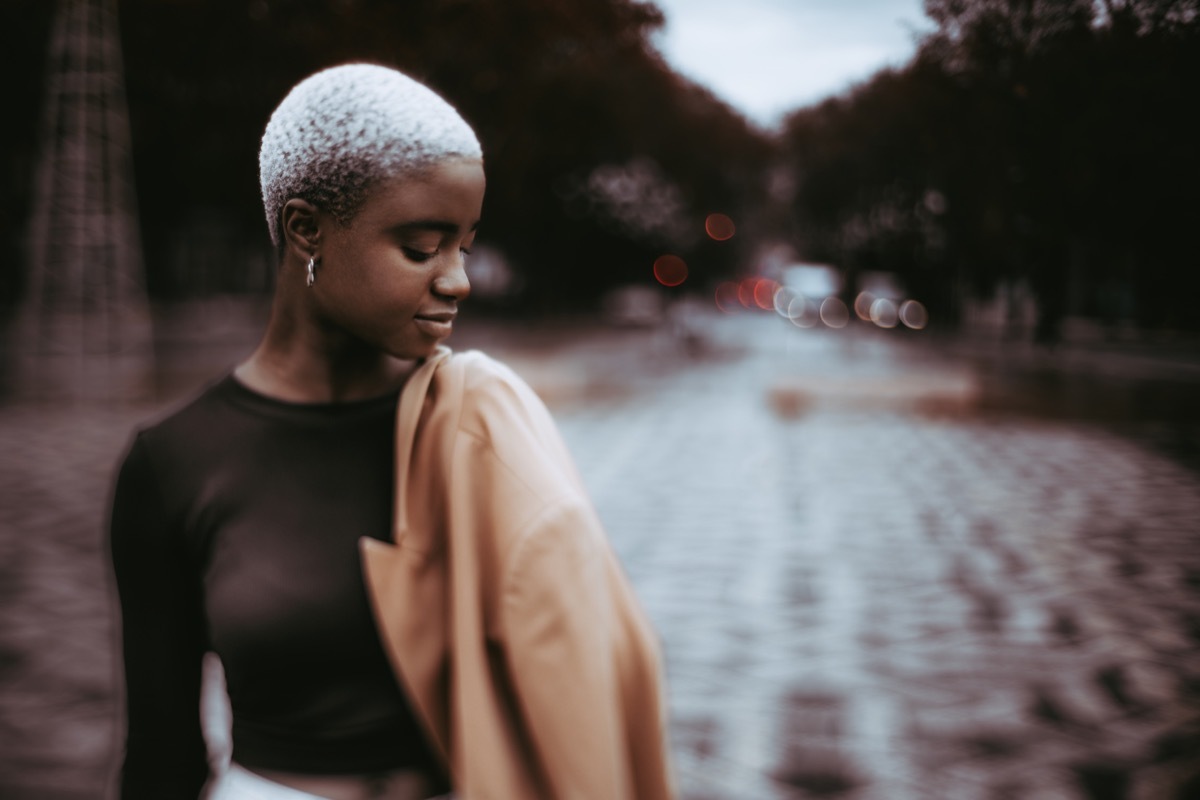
(235, 527)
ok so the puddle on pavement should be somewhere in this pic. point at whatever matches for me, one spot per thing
(1161, 413)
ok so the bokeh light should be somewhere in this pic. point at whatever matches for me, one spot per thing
(746, 292)
(803, 313)
(719, 227)
(782, 299)
(862, 306)
(764, 293)
(914, 315)
(834, 312)
(670, 270)
(726, 297)
(883, 313)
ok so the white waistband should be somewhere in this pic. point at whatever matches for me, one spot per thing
(239, 783)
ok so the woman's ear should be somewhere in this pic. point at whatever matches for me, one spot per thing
(300, 228)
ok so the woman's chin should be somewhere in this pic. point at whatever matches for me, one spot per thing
(414, 351)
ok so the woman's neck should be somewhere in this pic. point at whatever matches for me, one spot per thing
(297, 362)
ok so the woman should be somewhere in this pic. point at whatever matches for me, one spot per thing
(386, 544)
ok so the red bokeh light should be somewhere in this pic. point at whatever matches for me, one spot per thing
(746, 292)
(764, 293)
(670, 270)
(719, 226)
(727, 296)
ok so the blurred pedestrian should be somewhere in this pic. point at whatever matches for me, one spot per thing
(385, 543)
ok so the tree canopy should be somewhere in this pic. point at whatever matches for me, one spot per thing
(1046, 142)
(1050, 143)
(570, 101)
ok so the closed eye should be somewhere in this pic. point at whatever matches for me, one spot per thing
(419, 256)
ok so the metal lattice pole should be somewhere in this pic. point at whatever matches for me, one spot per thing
(85, 329)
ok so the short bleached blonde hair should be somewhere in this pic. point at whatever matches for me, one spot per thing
(342, 130)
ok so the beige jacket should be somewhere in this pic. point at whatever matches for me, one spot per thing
(502, 606)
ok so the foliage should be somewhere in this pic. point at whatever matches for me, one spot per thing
(1029, 140)
(558, 92)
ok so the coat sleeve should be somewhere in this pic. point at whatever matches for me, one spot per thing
(584, 662)
(163, 641)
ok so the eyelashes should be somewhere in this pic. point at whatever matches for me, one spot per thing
(421, 256)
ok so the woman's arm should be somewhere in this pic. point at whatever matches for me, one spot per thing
(163, 641)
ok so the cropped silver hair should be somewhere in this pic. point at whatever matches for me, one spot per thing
(343, 129)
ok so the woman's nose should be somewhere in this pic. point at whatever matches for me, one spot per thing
(452, 281)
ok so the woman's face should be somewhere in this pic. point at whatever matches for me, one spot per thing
(393, 276)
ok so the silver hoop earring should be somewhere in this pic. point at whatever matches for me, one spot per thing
(312, 271)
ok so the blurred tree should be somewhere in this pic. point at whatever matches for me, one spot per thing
(870, 190)
(23, 43)
(560, 93)
(1017, 63)
(1051, 143)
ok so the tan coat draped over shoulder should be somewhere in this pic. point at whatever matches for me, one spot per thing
(502, 606)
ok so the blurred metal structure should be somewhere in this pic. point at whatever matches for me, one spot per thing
(84, 331)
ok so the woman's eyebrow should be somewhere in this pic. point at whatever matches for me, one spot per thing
(436, 225)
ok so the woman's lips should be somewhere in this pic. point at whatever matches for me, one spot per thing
(436, 326)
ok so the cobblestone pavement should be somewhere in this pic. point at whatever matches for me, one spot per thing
(867, 603)
(860, 595)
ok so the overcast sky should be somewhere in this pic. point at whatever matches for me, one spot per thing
(767, 57)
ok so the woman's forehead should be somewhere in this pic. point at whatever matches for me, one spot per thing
(446, 196)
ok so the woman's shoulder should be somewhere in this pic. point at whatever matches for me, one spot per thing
(186, 422)
(479, 368)
(498, 409)
(492, 391)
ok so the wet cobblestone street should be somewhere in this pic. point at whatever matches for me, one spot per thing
(857, 599)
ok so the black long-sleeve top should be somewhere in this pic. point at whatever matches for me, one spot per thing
(235, 524)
